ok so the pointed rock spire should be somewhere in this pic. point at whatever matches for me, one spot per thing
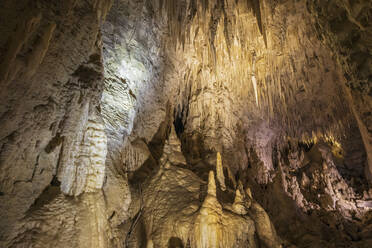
(238, 197)
(238, 205)
(211, 184)
(173, 140)
(248, 192)
(172, 149)
(219, 171)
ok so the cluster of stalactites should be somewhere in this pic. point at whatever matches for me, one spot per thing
(208, 14)
(257, 57)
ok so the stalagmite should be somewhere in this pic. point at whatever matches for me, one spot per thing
(208, 235)
(238, 205)
(113, 122)
(219, 172)
(211, 185)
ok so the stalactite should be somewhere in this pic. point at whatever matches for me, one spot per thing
(257, 11)
(254, 81)
(221, 34)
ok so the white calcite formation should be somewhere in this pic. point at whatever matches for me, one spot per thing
(188, 123)
(82, 164)
(198, 219)
(205, 224)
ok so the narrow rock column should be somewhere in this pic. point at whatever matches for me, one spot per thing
(238, 205)
(208, 234)
(211, 185)
(219, 171)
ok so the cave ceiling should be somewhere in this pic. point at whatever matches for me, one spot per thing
(188, 123)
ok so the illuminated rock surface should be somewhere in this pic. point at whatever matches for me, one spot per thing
(188, 123)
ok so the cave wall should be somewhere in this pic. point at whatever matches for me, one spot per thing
(112, 109)
(53, 144)
(345, 26)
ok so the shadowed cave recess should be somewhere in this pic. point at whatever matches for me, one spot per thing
(186, 123)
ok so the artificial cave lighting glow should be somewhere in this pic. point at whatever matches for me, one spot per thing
(133, 70)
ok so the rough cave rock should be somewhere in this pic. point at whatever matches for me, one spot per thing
(186, 123)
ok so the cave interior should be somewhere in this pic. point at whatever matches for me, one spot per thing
(186, 123)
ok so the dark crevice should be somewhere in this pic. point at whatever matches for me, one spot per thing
(305, 146)
(48, 195)
(156, 147)
(178, 123)
(54, 142)
(175, 242)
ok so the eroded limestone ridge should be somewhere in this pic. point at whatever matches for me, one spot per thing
(185, 123)
(177, 208)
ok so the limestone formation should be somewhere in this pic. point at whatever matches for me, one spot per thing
(219, 172)
(239, 204)
(188, 123)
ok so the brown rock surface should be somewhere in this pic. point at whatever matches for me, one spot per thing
(188, 123)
